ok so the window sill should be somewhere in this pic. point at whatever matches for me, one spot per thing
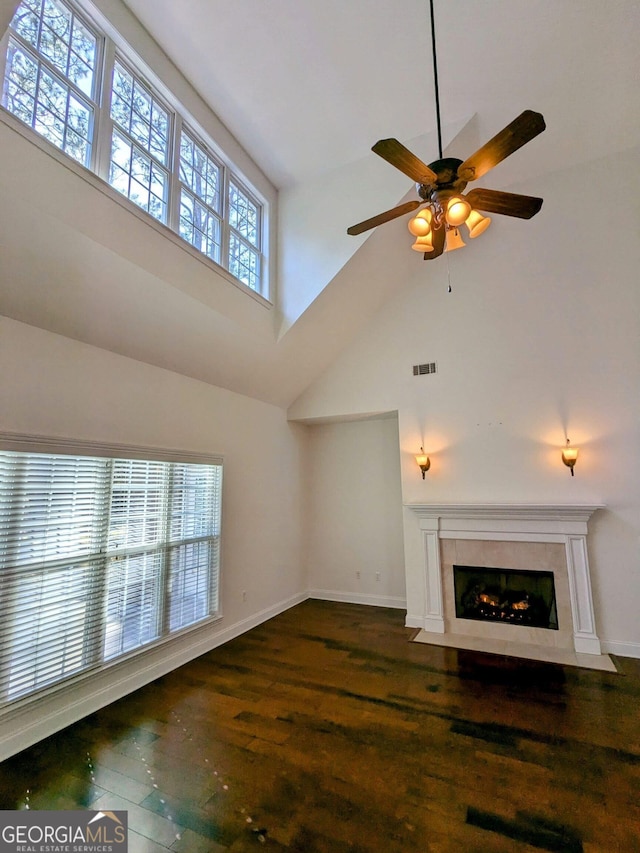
(102, 186)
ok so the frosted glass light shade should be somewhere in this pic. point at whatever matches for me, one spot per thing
(477, 223)
(569, 456)
(420, 225)
(423, 461)
(423, 244)
(454, 240)
(458, 209)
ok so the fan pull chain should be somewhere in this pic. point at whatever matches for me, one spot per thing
(448, 276)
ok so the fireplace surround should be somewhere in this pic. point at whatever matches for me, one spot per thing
(548, 539)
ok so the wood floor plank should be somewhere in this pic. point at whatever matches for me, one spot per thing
(325, 730)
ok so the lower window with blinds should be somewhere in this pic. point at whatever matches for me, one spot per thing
(99, 559)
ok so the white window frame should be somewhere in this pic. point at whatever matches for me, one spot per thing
(96, 662)
(220, 214)
(113, 126)
(229, 229)
(44, 62)
(111, 46)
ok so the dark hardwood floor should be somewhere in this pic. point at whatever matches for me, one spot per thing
(326, 730)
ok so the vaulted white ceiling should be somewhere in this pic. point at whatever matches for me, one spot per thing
(307, 86)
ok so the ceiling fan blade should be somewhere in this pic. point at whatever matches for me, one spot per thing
(438, 240)
(509, 204)
(521, 130)
(381, 218)
(395, 153)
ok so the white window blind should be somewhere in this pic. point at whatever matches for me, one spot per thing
(99, 558)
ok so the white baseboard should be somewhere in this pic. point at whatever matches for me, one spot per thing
(359, 598)
(625, 650)
(21, 727)
(425, 623)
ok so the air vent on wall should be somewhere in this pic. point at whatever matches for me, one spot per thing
(423, 369)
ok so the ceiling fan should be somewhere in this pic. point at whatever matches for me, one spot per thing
(441, 184)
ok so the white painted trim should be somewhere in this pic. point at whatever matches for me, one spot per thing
(500, 512)
(617, 647)
(560, 523)
(505, 536)
(24, 443)
(22, 727)
(584, 633)
(359, 598)
(434, 604)
(587, 645)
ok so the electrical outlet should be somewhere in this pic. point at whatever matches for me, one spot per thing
(244, 595)
(377, 576)
(357, 575)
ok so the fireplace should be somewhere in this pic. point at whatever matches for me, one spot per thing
(546, 607)
(507, 596)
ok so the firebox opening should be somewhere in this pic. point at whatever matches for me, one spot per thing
(511, 596)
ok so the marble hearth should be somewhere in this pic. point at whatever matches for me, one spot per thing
(505, 536)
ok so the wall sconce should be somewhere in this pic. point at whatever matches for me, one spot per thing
(424, 463)
(569, 456)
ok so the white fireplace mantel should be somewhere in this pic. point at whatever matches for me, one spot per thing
(484, 516)
(560, 523)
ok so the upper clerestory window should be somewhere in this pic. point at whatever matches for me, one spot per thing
(50, 75)
(67, 81)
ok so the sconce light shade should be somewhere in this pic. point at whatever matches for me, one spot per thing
(477, 223)
(458, 209)
(454, 240)
(569, 456)
(423, 461)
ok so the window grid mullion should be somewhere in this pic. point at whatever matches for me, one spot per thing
(173, 212)
(94, 652)
(224, 213)
(163, 598)
(126, 133)
(44, 62)
(103, 140)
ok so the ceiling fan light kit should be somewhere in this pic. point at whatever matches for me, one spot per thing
(420, 225)
(454, 240)
(423, 244)
(441, 185)
(477, 223)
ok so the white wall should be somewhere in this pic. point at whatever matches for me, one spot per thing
(538, 340)
(355, 513)
(7, 8)
(56, 387)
